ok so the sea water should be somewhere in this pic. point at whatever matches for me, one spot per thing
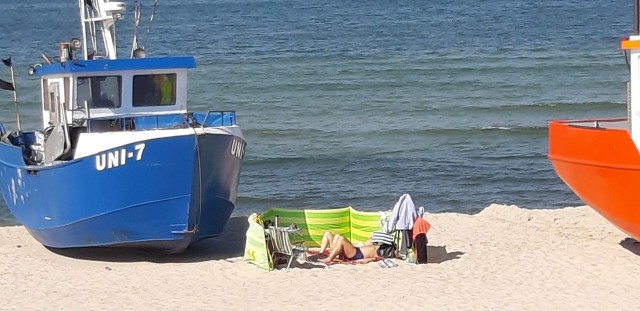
(357, 102)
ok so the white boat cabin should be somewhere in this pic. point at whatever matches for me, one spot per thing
(112, 89)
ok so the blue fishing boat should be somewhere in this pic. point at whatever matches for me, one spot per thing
(120, 161)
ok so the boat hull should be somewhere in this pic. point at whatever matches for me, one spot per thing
(601, 165)
(162, 194)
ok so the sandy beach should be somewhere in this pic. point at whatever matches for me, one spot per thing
(504, 258)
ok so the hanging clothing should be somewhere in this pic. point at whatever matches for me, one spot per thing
(420, 241)
(420, 248)
(403, 214)
(420, 226)
(406, 241)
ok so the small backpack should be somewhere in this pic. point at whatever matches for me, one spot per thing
(387, 250)
(386, 244)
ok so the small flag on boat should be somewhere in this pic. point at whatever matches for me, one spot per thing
(4, 84)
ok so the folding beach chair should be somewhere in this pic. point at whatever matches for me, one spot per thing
(281, 241)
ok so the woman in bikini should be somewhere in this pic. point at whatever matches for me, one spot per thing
(343, 249)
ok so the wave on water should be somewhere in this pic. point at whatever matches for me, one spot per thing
(495, 128)
(549, 108)
(464, 131)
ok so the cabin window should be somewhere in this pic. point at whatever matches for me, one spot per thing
(67, 98)
(99, 92)
(54, 96)
(45, 94)
(154, 90)
(47, 86)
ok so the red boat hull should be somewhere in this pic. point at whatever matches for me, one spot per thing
(602, 167)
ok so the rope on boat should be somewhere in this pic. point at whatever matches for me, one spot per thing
(626, 59)
(197, 223)
(153, 13)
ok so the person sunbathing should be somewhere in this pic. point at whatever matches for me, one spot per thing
(343, 249)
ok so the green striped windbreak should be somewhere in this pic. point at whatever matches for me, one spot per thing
(354, 225)
(363, 224)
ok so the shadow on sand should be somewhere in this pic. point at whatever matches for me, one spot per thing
(631, 245)
(228, 245)
(435, 255)
(438, 254)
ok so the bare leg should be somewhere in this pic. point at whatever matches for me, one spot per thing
(327, 241)
(335, 239)
(343, 247)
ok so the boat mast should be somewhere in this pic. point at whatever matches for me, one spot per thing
(636, 15)
(100, 15)
(631, 46)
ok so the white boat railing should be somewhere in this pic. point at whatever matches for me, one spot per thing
(158, 122)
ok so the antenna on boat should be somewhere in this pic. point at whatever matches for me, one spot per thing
(138, 51)
(153, 13)
(100, 16)
(636, 15)
(136, 20)
(46, 58)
